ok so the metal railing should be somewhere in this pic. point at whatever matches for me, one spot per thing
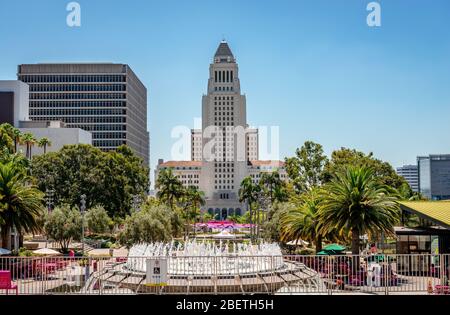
(291, 274)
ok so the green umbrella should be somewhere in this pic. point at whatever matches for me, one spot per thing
(334, 248)
(323, 253)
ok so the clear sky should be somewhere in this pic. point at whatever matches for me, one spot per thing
(314, 68)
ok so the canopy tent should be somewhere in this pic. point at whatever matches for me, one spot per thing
(223, 225)
(334, 247)
(298, 242)
(224, 234)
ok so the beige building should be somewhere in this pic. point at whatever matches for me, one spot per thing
(225, 150)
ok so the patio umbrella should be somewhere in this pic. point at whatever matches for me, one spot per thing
(46, 251)
(298, 242)
(334, 248)
(323, 253)
(4, 251)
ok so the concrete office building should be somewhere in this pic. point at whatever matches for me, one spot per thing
(13, 102)
(411, 174)
(225, 150)
(434, 176)
(105, 99)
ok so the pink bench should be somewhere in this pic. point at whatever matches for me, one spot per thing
(6, 283)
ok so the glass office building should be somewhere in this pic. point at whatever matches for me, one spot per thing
(105, 99)
(434, 176)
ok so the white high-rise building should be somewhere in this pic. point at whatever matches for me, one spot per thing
(225, 146)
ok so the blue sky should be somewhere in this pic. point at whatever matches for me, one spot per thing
(314, 68)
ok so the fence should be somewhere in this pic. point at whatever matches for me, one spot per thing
(345, 274)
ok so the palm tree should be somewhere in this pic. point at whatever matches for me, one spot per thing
(30, 141)
(354, 203)
(44, 143)
(301, 221)
(273, 186)
(6, 137)
(169, 187)
(248, 193)
(20, 203)
(17, 138)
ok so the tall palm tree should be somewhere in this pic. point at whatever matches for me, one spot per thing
(273, 186)
(17, 138)
(169, 187)
(354, 203)
(44, 143)
(248, 193)
(29, 140)
(301, 220)
(20, 203)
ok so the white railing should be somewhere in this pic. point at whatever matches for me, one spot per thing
(292, 274)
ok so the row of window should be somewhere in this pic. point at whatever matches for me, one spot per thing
(76, 87)
(53, 104)
(188, 176)
(76, 96)
(109, 135)
(51, 78)
(223, 76)
(108, 143)
(83, 120)
(223, 187)
(77, 112)
(223, 88)
(223, 103)
(223, 98)
(94, 128)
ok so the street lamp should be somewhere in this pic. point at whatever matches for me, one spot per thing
(83, 209)
(49, 194)
(136, 203)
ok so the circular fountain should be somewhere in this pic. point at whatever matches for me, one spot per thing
(206, 267)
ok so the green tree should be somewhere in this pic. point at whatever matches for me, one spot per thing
(194, 199)
(29, 140)
(248, 193)
(343, 158)
(305, 169)
(273, 187)
(21, 204)
(7, 137)
(301, 221)
(355, 203)
(170, 189)
(63, 225)
(110, 179)
(97, 220)
(152, 224)
(44, 143)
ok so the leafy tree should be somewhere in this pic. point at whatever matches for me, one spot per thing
(305, 169)
(170, 189)
(44, 143)
(110, 179)
(382, 171)
(7, 137)
(152, 224)
(273, 187)
(355, 203)
(63, 225)
(193, 199)
(21, 204)
(248, 193)
(97, 220)
(272, 228)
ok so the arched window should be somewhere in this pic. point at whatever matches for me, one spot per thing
(238, 211)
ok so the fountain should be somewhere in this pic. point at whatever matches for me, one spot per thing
(202, 266)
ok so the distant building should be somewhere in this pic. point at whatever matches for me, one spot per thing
(411, 174)
(56, 132)
(13, 102)
(105, 99)
(14, 109)
(434, 176)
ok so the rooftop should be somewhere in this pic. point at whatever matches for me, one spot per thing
(435, 211)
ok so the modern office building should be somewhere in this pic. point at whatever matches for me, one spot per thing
(225, 150)
(434, 176)
(105, 99)
(13, 102)
(411, 174)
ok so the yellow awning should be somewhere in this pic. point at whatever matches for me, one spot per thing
(435, 211)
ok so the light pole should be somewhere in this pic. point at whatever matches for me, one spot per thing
(82, 208)
(49, 196)
(136, 203)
